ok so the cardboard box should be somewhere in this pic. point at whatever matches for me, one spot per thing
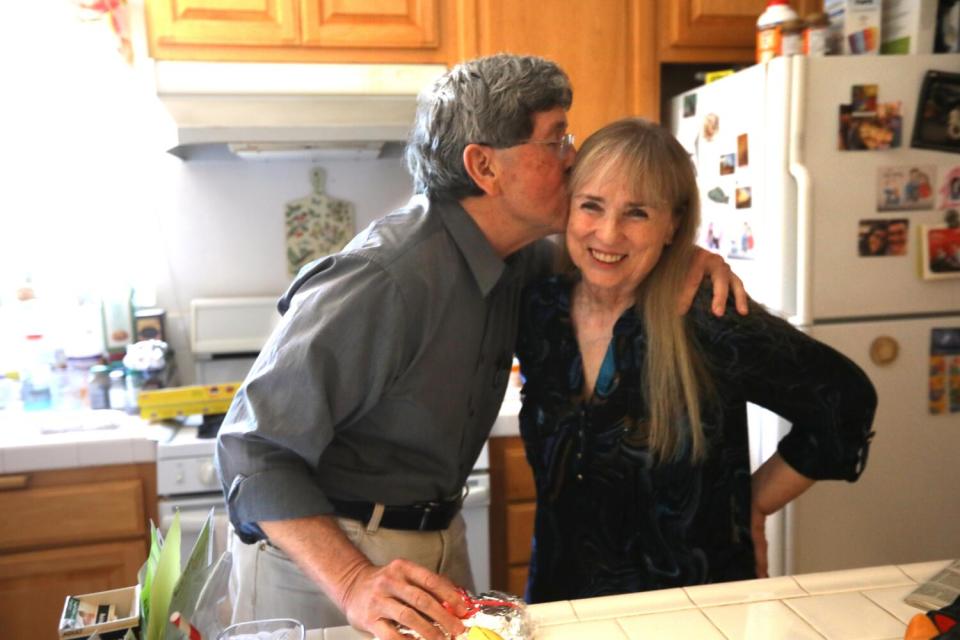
(109, 613)
(854, 25)
(908, 26)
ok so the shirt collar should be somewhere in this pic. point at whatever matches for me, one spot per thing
(484, 263)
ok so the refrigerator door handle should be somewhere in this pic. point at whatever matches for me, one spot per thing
(802, 313)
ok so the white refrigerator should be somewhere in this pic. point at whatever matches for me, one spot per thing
(835, 239)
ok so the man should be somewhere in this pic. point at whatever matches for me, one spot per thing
(344, 454)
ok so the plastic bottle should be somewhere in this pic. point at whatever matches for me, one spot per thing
(98, 387)
(770, 29)
(36, 375)
(118, 390)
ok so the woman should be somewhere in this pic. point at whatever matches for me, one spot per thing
(634, 417)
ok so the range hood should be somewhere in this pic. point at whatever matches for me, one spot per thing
(289, 110)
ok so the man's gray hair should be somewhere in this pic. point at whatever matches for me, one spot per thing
(488, 100)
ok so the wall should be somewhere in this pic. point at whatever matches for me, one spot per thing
(221, 225)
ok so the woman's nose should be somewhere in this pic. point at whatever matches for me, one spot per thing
(608, 229)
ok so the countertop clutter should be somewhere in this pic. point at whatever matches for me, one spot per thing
(855, 604)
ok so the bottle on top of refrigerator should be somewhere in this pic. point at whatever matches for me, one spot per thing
(770, 29)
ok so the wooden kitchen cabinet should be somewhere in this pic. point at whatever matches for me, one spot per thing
(67, 532)
(388, 31)
(512, 508)
(714, 30)
(607, 47)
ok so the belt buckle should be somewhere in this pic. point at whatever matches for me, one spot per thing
(427, 508)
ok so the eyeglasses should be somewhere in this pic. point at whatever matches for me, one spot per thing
(563, 146)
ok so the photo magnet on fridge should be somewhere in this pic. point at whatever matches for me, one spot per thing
(940, 251)
(905, 188)
(880, 237)
(743, 156)
(937, 124)
(944, 383)
(950, 189)
(744, 197)
(689, 105)
(727, 164)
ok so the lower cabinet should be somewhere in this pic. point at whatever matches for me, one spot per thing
(512, 509)
(68, 532)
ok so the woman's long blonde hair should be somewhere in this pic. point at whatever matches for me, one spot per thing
(675, 378)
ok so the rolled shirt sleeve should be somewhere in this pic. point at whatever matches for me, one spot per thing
(336, 349)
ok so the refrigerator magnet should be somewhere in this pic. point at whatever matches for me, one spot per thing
(870, 131)
(711, 126)
(743, 157)
(689, 105)
(727, 164)
(743, 197)
(740, 244)
(944, 377)
(940, 252)
(937, 125)
(950, 189)
(864, 98)
(905, 188)
(878, 237)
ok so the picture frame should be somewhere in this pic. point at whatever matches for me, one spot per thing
(940, 252)
(937, 124)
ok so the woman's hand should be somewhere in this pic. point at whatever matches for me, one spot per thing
(758, 531)
(706, 263)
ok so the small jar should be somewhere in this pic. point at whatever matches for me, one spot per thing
(791, 43)
(98, 387)
(816, 35)
(118, 390)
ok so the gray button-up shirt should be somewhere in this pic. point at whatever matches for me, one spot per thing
(385, 375)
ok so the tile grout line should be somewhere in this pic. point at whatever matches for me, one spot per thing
(882, 608)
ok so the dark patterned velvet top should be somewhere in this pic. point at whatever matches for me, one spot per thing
(609, 518)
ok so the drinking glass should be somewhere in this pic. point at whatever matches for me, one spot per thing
(276, 629)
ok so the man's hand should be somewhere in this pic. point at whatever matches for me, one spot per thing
(373, 598)
(706, 263)
(405, 593)
(758, 532)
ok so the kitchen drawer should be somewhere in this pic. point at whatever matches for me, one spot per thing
(519, 531)
(69, 514)
(519, 478)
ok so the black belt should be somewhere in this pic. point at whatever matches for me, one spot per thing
(423, 516)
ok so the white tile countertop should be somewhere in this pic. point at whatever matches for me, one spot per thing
(43, 440)
(856, 604)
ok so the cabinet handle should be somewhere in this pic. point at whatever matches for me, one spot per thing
(9, 483)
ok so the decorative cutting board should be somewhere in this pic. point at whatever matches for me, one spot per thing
(317, 225)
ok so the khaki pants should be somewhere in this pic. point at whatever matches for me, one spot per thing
(265, 583)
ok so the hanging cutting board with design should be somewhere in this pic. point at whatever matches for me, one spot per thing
(317, 225)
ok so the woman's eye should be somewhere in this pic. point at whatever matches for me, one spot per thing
(590, 205)
(637, 213)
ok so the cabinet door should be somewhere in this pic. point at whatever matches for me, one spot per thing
(34, 585)
(364, 24)
(714, 30)
(605, 46)
(250, 23)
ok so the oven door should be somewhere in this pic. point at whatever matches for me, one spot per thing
(194, 510)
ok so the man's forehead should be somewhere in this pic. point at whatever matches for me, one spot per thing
(550, 120)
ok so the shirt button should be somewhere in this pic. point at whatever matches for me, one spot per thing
(579, 455)
(580, 476)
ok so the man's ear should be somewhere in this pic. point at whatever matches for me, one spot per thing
(480, 163)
